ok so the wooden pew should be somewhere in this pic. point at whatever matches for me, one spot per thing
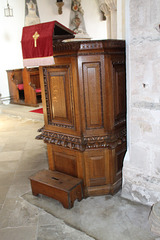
(32, 89)
(16, 86)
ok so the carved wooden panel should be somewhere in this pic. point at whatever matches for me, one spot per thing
(93, 95)
(58, 100)
(60, 96)
(65, 163)
(119, 92)
(95, 168)
(84, 108)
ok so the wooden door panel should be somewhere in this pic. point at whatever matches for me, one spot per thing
(95, 165)
(93, 95)
(58, 99)
(119, 83)
(60, 104)
(65, 163)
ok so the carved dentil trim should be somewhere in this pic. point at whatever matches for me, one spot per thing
(122, 62)
(82, 143)
(91, 45)
(79, 46)
(66, 46)
(61, 125)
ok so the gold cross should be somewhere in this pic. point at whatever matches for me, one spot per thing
(35, 36)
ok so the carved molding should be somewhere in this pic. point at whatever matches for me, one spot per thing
(118, 62)
(79, 47)
(109, 141)
(91, 45)
(62, 140)
(41, 129)
(65, 46)
(116, 43)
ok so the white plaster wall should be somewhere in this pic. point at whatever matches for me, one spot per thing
(10, 37)
(141, 172)
(11, 30)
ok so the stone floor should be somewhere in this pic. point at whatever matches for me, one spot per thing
(25, 217)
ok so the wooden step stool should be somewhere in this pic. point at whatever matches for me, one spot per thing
(57, 185)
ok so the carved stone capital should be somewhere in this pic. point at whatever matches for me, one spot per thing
(112, 4)
(104, 8)
(107, 6)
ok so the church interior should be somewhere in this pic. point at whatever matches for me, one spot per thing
(80, 120)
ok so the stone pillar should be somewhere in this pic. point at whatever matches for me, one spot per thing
(112, 5)
(141, 168)
(109, 7)
(121, 19)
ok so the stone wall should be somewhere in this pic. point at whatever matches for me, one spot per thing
(141, 171)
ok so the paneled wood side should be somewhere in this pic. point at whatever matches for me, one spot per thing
(58, 86)
(93, 95)
(65, 163)
(65, 160)
(119, 157)
(91, 77)
(116, 157)
(119, 92)
(96, 167)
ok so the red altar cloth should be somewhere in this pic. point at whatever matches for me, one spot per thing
(37, 42)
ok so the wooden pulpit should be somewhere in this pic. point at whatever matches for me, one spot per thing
(84, 105)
